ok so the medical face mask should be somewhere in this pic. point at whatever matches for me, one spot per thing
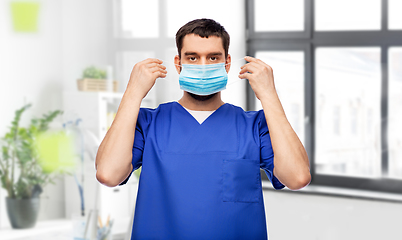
(203, 79)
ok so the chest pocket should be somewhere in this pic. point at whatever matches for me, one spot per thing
(241, 181)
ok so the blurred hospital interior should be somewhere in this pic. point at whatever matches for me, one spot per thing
(338, 73)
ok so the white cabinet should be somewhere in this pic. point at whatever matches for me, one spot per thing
(96, 110)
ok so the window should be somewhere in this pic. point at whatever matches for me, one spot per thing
(179, 12)
(290, 85)
(395, 112)
(336, 121)
(131, 13)
(272, 15)
(394, 16)
(348, 76)
(349, 85)
(341, 15)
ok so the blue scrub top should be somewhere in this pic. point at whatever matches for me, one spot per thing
(201, 181)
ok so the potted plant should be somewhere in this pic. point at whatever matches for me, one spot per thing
(95, 79)
(21, 171)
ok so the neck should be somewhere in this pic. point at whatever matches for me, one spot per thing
(206, 105)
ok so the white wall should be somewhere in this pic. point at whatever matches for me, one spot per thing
(31, 72)
(292, 215)
(37, 67)
(84, 38)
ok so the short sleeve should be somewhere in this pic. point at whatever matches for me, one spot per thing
(143, 121)
(267, 154)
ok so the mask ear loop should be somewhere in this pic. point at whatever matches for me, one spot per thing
(238, 79)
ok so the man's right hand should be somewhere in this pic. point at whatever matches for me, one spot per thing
(144, 75)
(113, 160)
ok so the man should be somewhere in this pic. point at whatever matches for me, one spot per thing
(201, 157)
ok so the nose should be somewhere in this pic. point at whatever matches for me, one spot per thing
(203, 61)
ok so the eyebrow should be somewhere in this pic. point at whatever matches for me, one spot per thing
(210, 54)
(215, 54)
(190, 53)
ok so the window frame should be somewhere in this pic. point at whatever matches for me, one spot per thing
(308, 41)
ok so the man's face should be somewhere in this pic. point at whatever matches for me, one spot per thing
(198, 50)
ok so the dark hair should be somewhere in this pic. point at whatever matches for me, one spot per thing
(204, 28)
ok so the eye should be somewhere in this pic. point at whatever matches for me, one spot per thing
(192, 59)
(213, 58)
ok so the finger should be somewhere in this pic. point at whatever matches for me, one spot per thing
(249, 59)
(159, 75)
(244, 75)
(252, 59)
(254, 66)
(146, 64)
(153, 64)
(245, 65)
(244, 70)
(157, 69)
(159, 72)
(256, 60)
(249, 68)
(153, 60)
(163, 69)
(250, 63)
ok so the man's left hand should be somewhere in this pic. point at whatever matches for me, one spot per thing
(260, 76)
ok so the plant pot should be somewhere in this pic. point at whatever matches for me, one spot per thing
(22, 213)
(95, 85)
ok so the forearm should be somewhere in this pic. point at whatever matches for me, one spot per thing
(113, 160)
(291, 162)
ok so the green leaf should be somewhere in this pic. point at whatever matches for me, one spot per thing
(93, 72)
(5, 154)
(18, 143)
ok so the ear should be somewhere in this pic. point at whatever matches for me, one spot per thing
(228, 63)
(177, 63)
